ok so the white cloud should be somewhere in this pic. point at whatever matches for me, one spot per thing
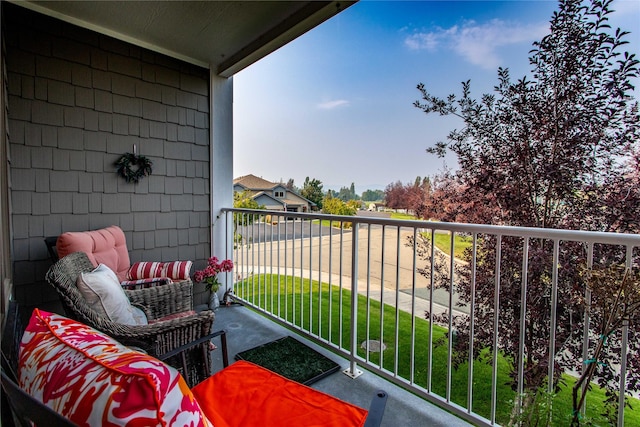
(418, 41)
(330, 105)
(429, 41)
(477, 43)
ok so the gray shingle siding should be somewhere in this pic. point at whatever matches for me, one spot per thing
(77, 101)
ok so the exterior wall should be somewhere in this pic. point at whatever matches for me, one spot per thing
(269, 203)
(5, 230)
(279, 189)
(293, 197)
(78, 100)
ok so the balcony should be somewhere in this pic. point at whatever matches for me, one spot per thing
(295, 270)
(247, 329)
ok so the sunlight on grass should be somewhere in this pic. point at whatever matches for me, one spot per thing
(443, 242)
(403, 216)
(328, 223)
(315, 308)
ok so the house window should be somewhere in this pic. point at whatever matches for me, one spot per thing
(280, 194)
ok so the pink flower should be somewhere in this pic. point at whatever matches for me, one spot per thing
(227, 265)
(209, 274)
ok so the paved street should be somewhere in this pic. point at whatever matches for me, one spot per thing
(381, 259)
(284, 230)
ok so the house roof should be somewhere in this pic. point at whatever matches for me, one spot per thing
(225, 36)
(252, 182)
(258, 186)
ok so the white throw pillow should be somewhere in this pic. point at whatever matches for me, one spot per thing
(138, 316)
(104, 294)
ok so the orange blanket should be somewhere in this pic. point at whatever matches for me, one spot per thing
(248, 395)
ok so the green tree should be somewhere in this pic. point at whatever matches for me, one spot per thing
(372, 195)
(556, 150)
(312, 190)
(335, 206)
(244, 200)
(290, 185)
(347, 193)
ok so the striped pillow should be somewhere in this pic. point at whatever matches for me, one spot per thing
(145, 283)
(176, 270)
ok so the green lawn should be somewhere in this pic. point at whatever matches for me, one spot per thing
(320, 315)
(327, 223)
(397, 215)
(443, 242)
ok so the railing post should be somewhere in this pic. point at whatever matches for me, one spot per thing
(586, 324)
(353, 370)
(553, 324)
(623, 371)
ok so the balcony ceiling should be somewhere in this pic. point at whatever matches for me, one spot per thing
(225, 36)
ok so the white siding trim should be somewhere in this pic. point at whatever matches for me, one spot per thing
(221, 162)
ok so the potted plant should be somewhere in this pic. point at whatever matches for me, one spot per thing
(209, 275)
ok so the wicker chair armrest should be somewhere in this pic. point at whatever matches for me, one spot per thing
(223, 338)
(163, 336)
(182, 353)
(161, 301)
(147, 312)
(195, 363)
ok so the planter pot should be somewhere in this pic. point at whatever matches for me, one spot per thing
(214, 301)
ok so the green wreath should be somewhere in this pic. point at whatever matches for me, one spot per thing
(132, 167)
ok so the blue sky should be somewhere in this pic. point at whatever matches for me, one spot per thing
(336, 103)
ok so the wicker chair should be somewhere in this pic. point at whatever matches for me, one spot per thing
(158, 338)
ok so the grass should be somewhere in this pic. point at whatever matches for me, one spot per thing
(314, 307)
(403, 216)
(327, 223)
(394, 215)
(443, 242)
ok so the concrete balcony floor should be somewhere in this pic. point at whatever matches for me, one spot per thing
(247, 329)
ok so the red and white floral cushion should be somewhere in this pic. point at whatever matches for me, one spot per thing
(176, 270)
(95, 381)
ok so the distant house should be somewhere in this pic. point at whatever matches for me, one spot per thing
(272, 195)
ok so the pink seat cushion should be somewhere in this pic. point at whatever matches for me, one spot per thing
(106, 246)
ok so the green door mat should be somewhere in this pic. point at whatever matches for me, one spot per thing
(291, 359)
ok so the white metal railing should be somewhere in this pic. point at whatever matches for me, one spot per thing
(297, 269)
